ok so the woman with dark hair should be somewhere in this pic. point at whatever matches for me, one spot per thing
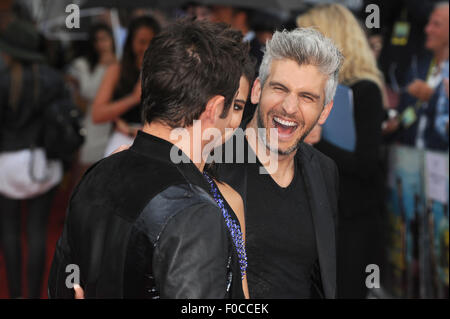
(119, 96)
(88, 72)
(228, 199)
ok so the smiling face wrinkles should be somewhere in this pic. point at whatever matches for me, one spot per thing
(291, 101)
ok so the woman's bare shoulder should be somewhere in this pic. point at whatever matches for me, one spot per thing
(113, 69)
(233, 198)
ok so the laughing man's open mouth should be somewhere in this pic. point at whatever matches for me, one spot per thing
(284, 127)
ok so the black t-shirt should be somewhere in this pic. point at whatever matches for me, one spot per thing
(281, 244)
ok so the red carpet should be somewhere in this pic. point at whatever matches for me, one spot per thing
(55, 226)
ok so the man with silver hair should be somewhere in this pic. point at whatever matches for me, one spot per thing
(291, 212)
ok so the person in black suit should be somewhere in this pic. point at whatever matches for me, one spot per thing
(290, 190)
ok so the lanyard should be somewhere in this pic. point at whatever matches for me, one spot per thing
(429, 73)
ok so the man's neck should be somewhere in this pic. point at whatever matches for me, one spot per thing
(284, 173)
(286, 170)
(164, 131)
(441, 55)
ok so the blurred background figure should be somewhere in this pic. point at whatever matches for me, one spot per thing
(441, 118)
(263, 25)
(196, 10)
(5, 19)
(239, 18)
(402, 25)
(5, 13)
(257, 27)
(27, 88)
(118, 98)
(86, 73)
(360, 236)
(425, 89)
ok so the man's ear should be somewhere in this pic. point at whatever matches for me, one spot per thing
(325, 112)
(256, 91)
(213, 110)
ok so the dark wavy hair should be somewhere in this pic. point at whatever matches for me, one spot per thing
(129, 72)
(187, 64)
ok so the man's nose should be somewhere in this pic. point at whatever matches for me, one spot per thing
(290, 104)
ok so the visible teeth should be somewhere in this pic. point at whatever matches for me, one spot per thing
(283, 122)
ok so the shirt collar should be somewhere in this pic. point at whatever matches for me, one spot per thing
(249, 36)
(159, 149)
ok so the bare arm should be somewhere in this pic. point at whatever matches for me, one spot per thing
(106, 110)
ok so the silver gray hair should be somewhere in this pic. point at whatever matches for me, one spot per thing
(306, 46)
(441, 5)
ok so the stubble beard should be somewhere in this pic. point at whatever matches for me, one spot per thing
(263, 138)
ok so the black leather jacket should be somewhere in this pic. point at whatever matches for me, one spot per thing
(139, 226)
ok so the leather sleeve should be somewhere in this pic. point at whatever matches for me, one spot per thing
(191, 255)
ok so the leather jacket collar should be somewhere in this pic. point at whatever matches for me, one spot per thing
(157, 148)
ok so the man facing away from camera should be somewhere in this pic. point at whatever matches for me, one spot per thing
(139, 225)
(291, 211)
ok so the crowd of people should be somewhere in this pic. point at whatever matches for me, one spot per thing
(329, 86)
